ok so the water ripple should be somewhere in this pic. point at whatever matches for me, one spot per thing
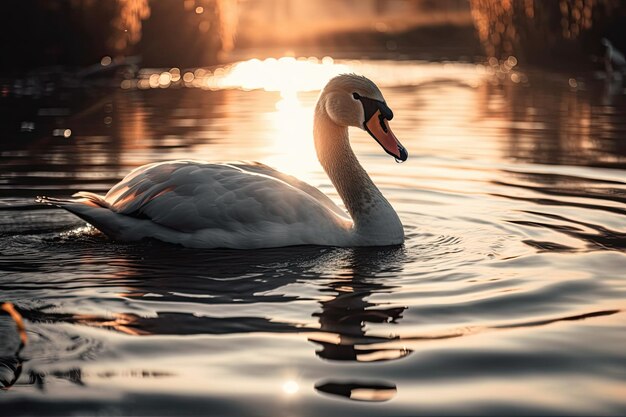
(507, 296)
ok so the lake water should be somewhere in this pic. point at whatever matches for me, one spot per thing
(507, 297)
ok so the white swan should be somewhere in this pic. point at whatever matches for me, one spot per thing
(250, 205)
(612, 55)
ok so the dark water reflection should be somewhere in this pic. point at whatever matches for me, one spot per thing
(563, 127)
(507, 296)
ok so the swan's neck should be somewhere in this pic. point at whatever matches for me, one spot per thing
(374, 218)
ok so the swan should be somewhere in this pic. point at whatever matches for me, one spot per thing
(612, 55)
(247, 205)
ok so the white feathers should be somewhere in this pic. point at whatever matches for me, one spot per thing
(199, 204)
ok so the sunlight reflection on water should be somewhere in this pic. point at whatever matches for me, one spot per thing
(289, 75)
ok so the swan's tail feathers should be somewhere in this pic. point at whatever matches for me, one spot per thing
(51, 201)
(82, 197)
(92, 197)
(91, 208)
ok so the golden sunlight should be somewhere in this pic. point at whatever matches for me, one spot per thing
(292, 148)
(284, 74)
(289, 75)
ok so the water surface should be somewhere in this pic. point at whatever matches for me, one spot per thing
(507, 296)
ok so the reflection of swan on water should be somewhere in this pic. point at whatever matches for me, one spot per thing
(249, 205)
(349, 281)
(343, 318)
(231, 278)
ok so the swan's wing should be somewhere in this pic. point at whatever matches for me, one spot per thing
(259, 168)
(188, 196)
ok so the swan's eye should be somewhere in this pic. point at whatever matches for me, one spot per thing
(356, 96)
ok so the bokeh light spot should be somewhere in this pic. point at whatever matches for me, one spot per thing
(291, 387)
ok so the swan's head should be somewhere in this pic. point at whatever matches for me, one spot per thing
(353, 100)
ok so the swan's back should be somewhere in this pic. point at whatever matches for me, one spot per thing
(221, 205)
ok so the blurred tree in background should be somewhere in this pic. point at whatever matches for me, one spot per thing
(190, 33)
(186, 33)
(548, 31)
(80, 32)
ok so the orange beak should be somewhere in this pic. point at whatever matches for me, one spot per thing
(385, 137)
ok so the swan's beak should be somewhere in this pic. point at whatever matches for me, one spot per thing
(378, 127)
